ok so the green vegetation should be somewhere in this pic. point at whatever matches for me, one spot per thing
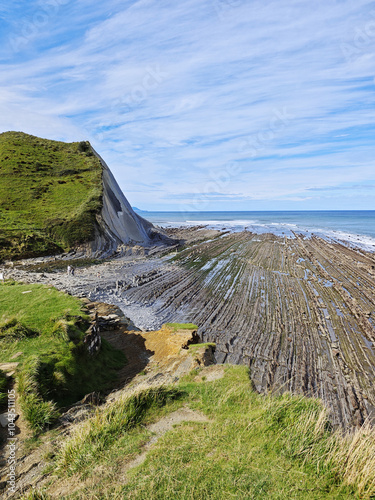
(105, 428)
(12, 329)
(34, 495)
(60, 265)
(55, 368)
(252, 446)
(50, 193)
(3, 389)
(193, 348)
(181, 326)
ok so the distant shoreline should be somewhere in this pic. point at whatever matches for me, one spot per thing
(354, 228)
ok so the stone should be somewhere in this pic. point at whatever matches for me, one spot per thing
(4, 419)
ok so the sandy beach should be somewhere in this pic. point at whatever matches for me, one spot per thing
(298, 311)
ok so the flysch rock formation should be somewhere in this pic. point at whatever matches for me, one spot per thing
(298, 312)
(118, 224)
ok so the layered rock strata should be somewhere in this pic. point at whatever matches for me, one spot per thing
(118, 225)
(299, 312)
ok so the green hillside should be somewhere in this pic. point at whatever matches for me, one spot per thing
(44, 329)
(50, 192)
(250, 446)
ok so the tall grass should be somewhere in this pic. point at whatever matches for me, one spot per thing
(38, 412)
(305, 433)
(252, 447)
(98, 433)
(352, 458)
(12, 329)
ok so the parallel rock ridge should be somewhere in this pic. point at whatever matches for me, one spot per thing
(56, 197)
(299, 312)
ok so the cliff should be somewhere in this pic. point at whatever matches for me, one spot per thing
(118, 224)
(56, 197)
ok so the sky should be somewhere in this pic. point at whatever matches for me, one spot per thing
(202, 104)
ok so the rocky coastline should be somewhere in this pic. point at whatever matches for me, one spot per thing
(299, 312)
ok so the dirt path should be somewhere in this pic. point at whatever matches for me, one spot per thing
(155, 358)
(160, 428)
(75, 485)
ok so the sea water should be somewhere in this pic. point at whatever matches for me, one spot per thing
(354, 228)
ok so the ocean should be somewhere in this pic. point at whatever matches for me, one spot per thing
(354, 228)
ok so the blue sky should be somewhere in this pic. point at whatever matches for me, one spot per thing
(203, 104)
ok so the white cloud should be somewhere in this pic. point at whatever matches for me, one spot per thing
(172, 91)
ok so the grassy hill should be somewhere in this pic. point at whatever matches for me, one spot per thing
(250, 446)
(50, 192)
(44, 329)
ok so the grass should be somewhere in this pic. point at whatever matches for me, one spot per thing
(195, 347)
(50, 193)
(181, 326)
(252, 447)
(36, 307)
(104, 430)
(35, 495)
(3, 389)
(55, 368)
(60, 265)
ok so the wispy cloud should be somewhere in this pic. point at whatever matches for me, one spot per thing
(174, 94)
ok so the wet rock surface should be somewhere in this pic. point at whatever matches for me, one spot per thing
(299, 312)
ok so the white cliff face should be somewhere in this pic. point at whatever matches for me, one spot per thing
(118, 224)
(119, 215)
